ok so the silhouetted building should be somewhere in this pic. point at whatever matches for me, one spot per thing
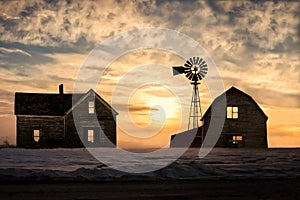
(245, 124)
(46, 120)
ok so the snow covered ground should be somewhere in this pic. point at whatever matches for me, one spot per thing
(79, 165)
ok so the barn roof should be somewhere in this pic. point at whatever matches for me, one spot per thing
(47, 104)
(233, 90)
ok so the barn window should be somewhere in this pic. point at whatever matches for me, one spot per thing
(36, 135)
(232, 112)
(91, 136)
(236, 139)
(91, 107)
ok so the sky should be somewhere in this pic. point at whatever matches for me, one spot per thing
(254, 44)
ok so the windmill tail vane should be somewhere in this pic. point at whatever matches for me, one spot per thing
(178, 70)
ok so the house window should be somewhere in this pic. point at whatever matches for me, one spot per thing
(91, 136)
(236, 139)
(91, 107)
(232, 112)
(36, 135)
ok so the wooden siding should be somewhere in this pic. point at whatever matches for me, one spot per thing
(251, 122)
(60, 131)
(51, 131)
(105, 120)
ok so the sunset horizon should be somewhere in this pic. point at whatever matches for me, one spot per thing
(254, 45)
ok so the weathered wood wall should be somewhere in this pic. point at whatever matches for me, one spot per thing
(251, 121)
(51, 131)
(104, 119)
(60, 131)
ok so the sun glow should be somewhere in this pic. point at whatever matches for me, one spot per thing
(154, 105)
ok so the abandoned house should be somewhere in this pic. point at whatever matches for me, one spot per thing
(245, 124)
(46, 120)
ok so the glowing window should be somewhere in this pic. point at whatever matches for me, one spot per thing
(236, 139)
(91, 107)
(91, 136)
(232, 112)
(36, 135)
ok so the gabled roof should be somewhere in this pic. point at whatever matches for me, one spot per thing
(49, 104)
(83, 97)
(233, 90)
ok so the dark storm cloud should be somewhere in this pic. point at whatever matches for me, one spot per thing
(45, 24)
(238, 34)
(36, 55)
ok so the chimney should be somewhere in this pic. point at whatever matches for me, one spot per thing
(61, 99)
(61, 93)
(61, 89)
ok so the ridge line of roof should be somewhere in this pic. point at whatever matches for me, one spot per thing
(233, 87)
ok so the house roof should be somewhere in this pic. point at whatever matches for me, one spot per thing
(49, 104)
(233, 90)
(84, 96)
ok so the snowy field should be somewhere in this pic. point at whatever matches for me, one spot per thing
(79, 165)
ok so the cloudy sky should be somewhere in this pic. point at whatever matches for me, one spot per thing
(254, 44)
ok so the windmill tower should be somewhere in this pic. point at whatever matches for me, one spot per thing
(195, 70)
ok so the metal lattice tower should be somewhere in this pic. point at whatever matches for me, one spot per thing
(195, 109)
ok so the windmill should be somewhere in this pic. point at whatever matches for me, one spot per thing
(195, 70)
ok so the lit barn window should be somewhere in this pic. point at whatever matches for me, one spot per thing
(36, 135)
(236, 139)
(91, 136)
(232, 112)
(91, 107)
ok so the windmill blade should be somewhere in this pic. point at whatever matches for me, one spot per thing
(204, 68)
(191, 76)
(203, 71)
(200, 61)
(178, 70)
(203, 63)
(188, 75)
(199, 77)
(197, 60)
(189, 63)
(194, 60)
(202, 74)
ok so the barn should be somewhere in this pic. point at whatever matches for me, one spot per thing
(245, 124)
(45, 120)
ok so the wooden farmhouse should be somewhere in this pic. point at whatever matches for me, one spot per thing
(245, 124)
(46, 120)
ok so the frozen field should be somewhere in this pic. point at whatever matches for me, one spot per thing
(79, 165)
